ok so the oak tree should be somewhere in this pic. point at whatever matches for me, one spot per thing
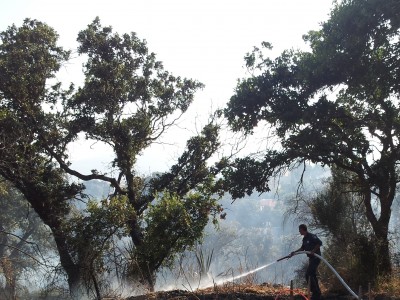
(336, 104)
(127, 101)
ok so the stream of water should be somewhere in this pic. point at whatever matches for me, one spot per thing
(233, 278)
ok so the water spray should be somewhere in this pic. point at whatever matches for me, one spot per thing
(233, 278)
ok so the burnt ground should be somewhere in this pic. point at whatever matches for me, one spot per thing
(247, 292)
(236, 292)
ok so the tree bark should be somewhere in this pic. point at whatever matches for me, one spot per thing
(52, 218)
(384, 262)
(75, 283)
(381, 230)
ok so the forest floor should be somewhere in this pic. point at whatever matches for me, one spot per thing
(247, 292)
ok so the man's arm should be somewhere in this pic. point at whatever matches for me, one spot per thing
(316, 248)
(293, 252)
(318, 244)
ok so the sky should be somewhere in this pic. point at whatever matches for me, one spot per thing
(204, 40)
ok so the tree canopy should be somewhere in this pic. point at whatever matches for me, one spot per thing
(336, 104)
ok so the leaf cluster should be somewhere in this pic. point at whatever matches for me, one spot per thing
(172, 225)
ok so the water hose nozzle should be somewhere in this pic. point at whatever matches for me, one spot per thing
(285, 257)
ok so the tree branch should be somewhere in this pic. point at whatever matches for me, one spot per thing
(77, 174)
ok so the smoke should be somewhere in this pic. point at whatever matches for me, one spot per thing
(209, 281)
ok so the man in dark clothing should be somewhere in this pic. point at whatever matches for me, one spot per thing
(311, 243)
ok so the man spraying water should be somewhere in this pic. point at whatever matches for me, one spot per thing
(312, 244)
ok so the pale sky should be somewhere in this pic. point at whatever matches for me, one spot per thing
(204, 40)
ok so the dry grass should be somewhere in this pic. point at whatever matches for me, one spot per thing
(389, 285)
(264, 289)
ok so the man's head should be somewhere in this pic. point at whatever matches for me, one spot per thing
(303, 229)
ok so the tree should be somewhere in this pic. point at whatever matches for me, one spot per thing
(127, 101)
(29, 57)
(23, 242)
(336, 104)
(173, 226)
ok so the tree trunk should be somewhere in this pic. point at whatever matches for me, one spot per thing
(381, 231)
(52, 216)
(150, 278)
(96, 287)
(75, 283)
(152, 281)
(10, 291)
(383, 250)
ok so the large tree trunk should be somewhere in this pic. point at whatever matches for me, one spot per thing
(147, 274)
(74, 279)
(52, 218)
(383, 250)
(380, 227)
(384, 262)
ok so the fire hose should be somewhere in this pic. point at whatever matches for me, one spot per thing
(328, 264)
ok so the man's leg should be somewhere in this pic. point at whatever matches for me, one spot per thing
(312, 275)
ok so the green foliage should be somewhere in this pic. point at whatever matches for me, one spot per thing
(98, 224)
(121, 76)
(99, 221)
(336, 105)
(246, 175)
(338, 208)
(173, 224)
(191, 171)
(29, 55)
